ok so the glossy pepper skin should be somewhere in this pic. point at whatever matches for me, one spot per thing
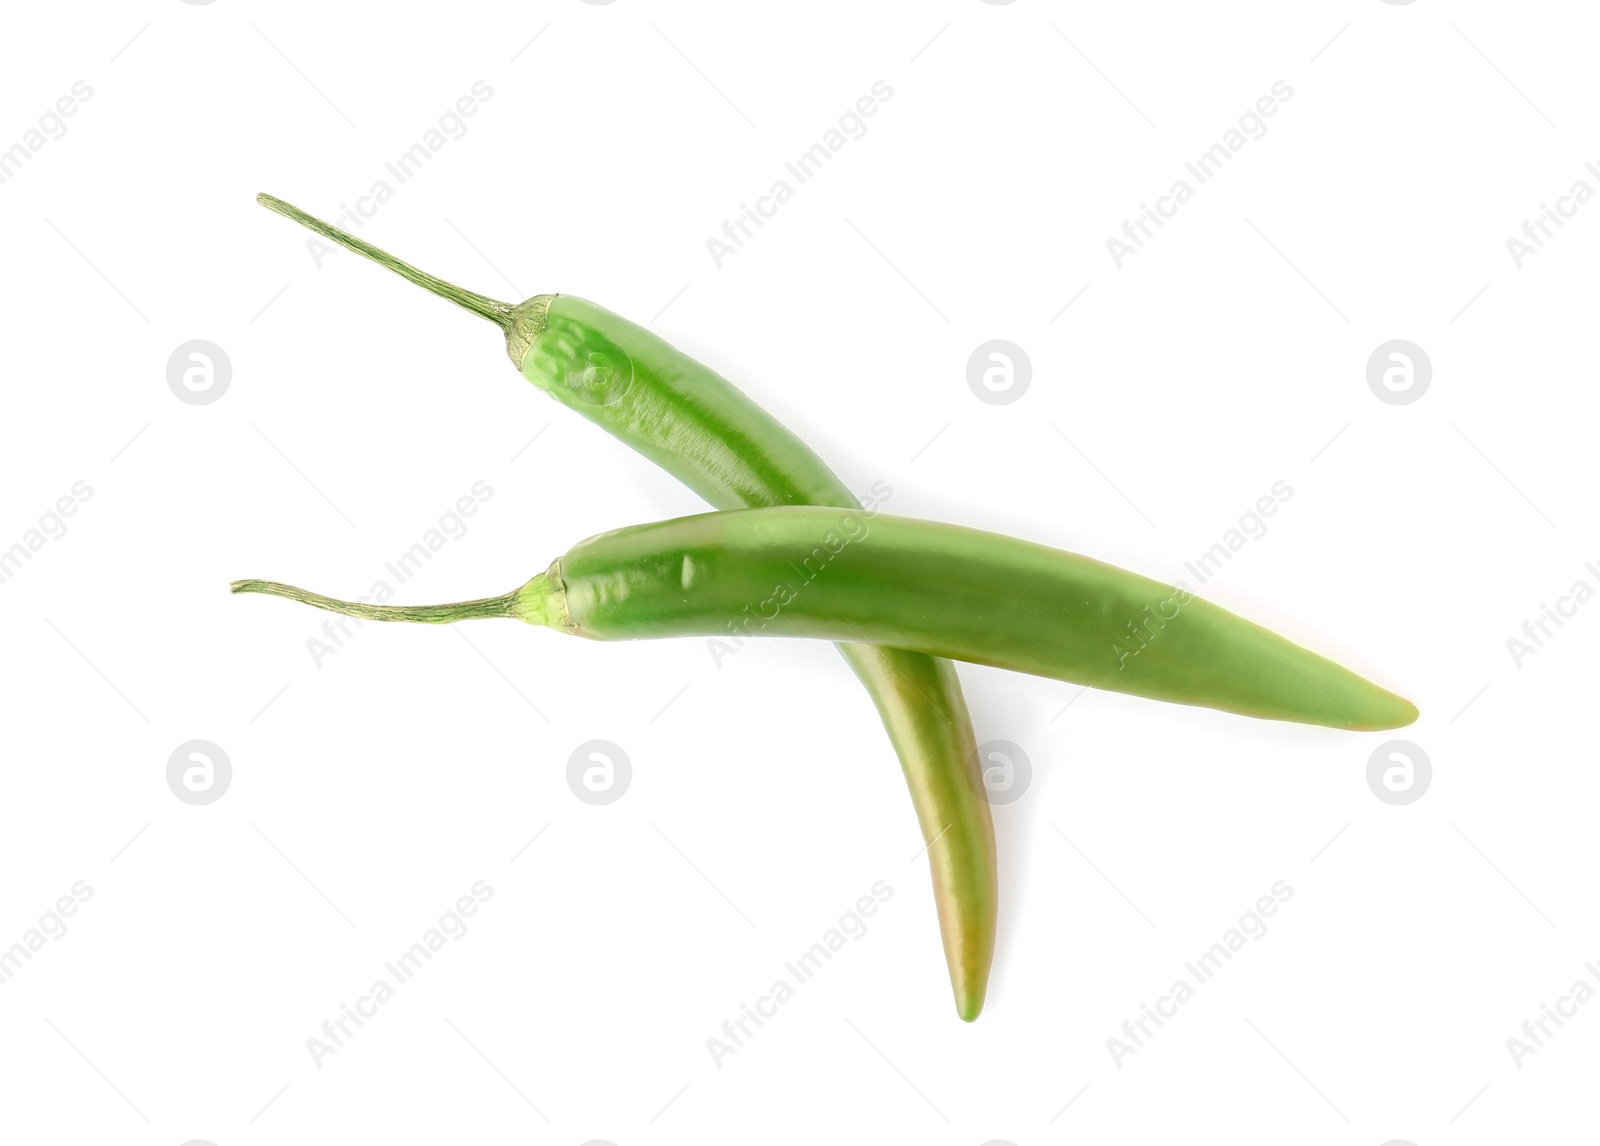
(948, 591)
(707, 433)
(944, 590)
(704, 431)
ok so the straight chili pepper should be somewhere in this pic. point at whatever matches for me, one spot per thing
(944, 590)
(704, 431)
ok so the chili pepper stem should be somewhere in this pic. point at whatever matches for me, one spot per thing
(495, 311)
(522, 322)
(541, 601)
(503, 606)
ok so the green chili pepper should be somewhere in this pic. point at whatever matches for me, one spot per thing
(945, 590)
(712, 437)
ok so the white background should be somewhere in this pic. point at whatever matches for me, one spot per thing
(372, 791)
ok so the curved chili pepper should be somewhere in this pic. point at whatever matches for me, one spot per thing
(944, 590)
(707, 433)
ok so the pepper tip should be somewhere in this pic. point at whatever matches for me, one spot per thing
(1398, 713)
